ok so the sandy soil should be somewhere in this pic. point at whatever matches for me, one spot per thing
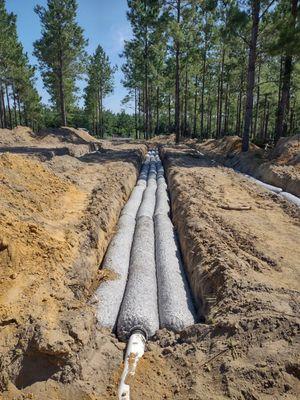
(244, 271)
(47, 143)
(241, 247)
(57, 217)
(279, 167)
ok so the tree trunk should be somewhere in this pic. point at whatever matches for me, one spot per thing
(257, 102)
(292, 117)
(140, 112)
(239, 106)
(157, 110)
(8, 106)
(262, 125)
(251, 74)
(135, 114)
(282, 113)
(266, 136)
(19, 108)
(177, 79)
(15, 105)
(169, 114)
(61, 91)
(226, 110)
(209, 122)
(202, 94)
(195, 107)
(185, 101)
(221, 94)
(2, 109)
(101, 115)
(146, 95)
(218, 108)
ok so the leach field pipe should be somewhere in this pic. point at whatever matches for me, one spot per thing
(279, 191)
(176, 307)
(116, 262)
(139, 310)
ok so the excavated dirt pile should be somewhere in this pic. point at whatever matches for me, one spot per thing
(279, 167)
(49, 142)
(241, 246)
(57, 217)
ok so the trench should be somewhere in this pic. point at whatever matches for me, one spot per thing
(148, 289)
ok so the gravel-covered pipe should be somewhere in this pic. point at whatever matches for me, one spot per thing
(139, 307)
(116, 261)
(176, 308)
(148, 203)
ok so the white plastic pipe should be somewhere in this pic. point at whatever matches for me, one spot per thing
(135, 350)
(274, 189)
(291, 197)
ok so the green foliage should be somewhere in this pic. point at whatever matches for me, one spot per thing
(99, 84)
(19, 100)
(60, 52)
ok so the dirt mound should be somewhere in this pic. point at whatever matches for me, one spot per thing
(287, 151)
(280, 167)
(66, 134)
(57, 218)
(17, 136)
(162, 139)
(229, 145)
(47, 144)
(243, 265)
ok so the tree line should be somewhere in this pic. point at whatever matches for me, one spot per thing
(62, 61)
(211, 68)
(199, 68)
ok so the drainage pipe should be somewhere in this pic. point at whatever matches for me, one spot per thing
(135, 350)
(139, 310)
(274, 189)
(294, 199)
(116, 261)
(279, 191)
(176, 308)
(139, 307)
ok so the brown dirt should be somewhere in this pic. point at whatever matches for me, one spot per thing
(57, 217)
(244, 271)
(48, 143)
(279, 167)
(243, 265)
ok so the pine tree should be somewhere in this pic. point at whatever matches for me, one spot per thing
(19, 100)
(60, 52)
(100, 84)
(143, 56)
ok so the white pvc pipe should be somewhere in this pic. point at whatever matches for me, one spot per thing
(135, 350)
(291, 197)
(279, 191)
(274, 189)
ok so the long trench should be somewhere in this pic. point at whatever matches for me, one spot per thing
(148, 288)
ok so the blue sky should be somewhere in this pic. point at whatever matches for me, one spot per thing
(104, 22)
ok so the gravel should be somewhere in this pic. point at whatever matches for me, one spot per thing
(116, 262)
(139, 309)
